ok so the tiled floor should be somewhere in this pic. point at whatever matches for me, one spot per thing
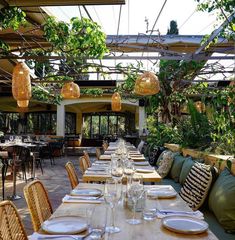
(55, 180)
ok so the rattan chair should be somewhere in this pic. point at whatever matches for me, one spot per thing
(98, 153)
(11, 226)
(73, 178)
(87, 157)
(38, 203)
(105, 146)
(83, 164)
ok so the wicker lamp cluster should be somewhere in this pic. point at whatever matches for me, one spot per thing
(21, 85)
(70, 90)
(147, 84)
(116, 102)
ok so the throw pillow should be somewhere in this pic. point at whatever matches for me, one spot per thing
(176, 167)
(197, 185)
(222, 200)
(165, 163)
(160, 157)
(187, 165)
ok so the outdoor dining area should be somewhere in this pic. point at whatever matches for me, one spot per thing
(112, 198)
(117, 120)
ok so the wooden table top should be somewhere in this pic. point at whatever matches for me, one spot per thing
(96, 177)
(145, 230)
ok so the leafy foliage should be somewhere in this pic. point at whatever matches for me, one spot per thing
(12, 17)
(160, 133)
(223, 8)
(81, 38)
(92, 91)
(195, 131)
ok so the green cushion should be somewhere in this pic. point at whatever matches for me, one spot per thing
(187, 165)
(176, 167)
(222, 200)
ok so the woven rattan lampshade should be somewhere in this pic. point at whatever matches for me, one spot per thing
(200, 106)
(116, 102)
(21, 84)
(70, 91)
(23, 104)
(147, 84)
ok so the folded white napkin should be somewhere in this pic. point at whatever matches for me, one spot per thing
(88, 172)
(165, 212)
(145, 170)
(78, 199)
(38, 236)
(144, 163)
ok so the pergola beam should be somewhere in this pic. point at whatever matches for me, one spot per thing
(40, 3)
(215, 33)
(125, 57)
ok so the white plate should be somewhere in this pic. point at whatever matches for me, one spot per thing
(162, 193)
(184, 224)
(142, 170)
(65, 225)
(141, 163)
(86, 192)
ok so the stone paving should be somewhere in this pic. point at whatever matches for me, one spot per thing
(55, 180)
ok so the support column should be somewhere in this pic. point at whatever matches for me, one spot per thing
(142, 120)
(60, 120)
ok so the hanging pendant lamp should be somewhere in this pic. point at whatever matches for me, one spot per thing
(23, 104)
(200, 106)
(147, 84)
(21, 84)
(70, 91)
(116, 102)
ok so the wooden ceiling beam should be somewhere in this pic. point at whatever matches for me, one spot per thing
(40, 3)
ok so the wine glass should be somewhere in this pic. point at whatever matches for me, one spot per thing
(135, 192)
(129, 169)
(112, 194)
(116, 170)
(11, 138)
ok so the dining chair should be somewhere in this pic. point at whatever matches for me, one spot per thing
(73, 178)
(98, 153)
(83, 164)
(87, 157)
(38, 203)
(11, 226)
(105, 146)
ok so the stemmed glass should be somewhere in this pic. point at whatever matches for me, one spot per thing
(135, 192)
(112, 194)
(11, 138)
(116, 170)
(129, 169)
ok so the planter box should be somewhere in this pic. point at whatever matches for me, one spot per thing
(220, 161)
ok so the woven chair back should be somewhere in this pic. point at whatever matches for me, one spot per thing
(83, 164)
(98, 153)
(73, 178)
(38, 203)
(87, 157)
(11, 226)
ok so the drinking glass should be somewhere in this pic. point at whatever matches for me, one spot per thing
(134, 193)
(116, 170)
(112, 194)
(150, 206)
(11, 138)
(98, 222)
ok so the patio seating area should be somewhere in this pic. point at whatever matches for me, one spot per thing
(117, 119)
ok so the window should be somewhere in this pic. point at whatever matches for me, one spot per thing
(105, 125)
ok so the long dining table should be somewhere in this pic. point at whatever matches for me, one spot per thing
(141, 164)
(145, 230)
